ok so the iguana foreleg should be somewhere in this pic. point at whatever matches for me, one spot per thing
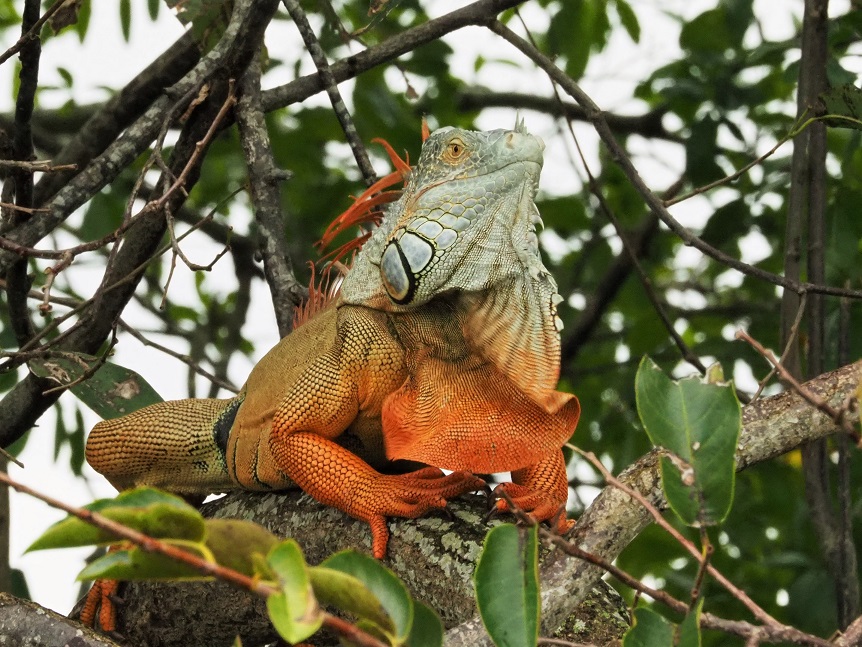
(542, 490)
(339, 478)
(342, 392)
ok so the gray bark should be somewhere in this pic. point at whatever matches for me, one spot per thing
(26, 624)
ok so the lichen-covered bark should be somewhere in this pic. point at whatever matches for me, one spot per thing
(26, 624)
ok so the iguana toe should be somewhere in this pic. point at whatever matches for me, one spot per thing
(410, 495)
(540, 505)
(100, 600)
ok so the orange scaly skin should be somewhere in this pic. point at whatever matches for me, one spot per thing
(442, 348)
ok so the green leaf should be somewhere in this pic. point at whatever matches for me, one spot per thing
(649, 630)
(112, 391)
(153, 8)
(137, 564)
(699, 424)
(152, 512)
(629, 20)
(507, 586)
(126, 18)
(846, 103)
(383, 583)
(708, 32)
(427, 630)
(82, 24)
(235, 542)
(66, 75)
(348, 593)
(688, 631)
(293, 610)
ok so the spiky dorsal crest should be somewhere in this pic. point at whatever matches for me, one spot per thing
(323, 290)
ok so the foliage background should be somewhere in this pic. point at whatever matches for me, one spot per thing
(722, 76)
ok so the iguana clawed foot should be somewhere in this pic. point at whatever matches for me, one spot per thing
(541, 506)
(409, 495)
(101, 602)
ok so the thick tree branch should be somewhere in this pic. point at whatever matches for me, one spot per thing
(27, 623)
(476, 13)
(120, 111)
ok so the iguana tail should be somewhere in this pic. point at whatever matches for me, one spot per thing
(178, 446)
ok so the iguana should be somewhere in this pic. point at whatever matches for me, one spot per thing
(441, 348)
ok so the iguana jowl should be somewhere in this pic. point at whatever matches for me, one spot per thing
(441, 348)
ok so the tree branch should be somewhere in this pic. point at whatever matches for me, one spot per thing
(647, 125)
(619, 156)
(265, 187)
(23, 405)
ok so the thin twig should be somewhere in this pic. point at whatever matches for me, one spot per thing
(18, 207)
(738, 593)
(788, 347)
(312, 45)
(687, 354)
(32, 33)
(742, 171)
(37, 166)
(773, 632)
(185, 359)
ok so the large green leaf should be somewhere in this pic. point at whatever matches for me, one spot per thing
(427, 630)
(348, 593)
(688, 631)
(385, 586)
(507, 586)
(294, 611)
(137, 564)
(698, 423)
(152, 512)
(235, 542)
(112, 391)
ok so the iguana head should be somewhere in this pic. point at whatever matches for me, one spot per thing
(465, 221)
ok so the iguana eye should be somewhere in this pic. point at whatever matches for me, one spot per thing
(455, 150)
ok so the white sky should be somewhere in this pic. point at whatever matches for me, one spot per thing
(107, 61)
